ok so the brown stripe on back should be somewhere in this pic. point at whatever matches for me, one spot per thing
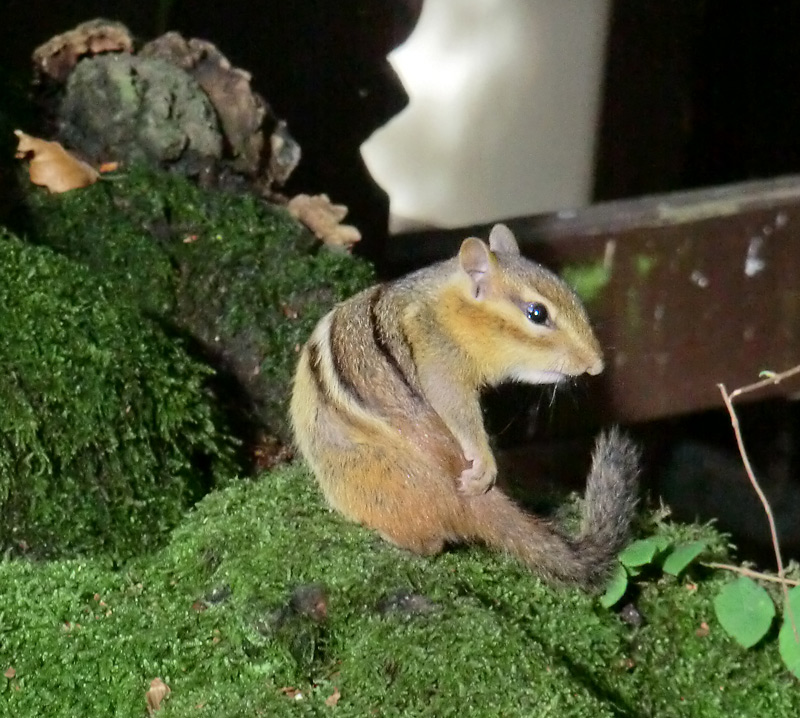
(315, 367)
(384, 348)
(335, 339)
(337, 414)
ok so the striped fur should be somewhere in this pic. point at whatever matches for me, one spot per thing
(386, 409)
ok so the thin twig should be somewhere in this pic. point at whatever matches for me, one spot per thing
(749, 572)
(771, 380)
(728, 399)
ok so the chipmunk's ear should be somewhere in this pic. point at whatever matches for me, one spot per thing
(476, 263)
(502, 240)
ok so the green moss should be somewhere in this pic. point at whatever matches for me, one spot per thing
(202, 615)
(644, 265)
(241, 277)
(109, 432)
(588, 280)
(110, 228)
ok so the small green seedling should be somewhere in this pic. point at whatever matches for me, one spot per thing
(681, 556)
(744, 609)
(616, 587)
(788, 639)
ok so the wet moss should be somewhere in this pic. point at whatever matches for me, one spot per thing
(239, 277)
(208, 615)
(109, 429)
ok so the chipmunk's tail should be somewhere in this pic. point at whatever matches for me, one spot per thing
(608, 508)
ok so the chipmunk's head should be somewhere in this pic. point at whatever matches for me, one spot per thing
(517, 320)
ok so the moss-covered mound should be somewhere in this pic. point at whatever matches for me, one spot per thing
(464, 634)
(239, 276)
(109, 431)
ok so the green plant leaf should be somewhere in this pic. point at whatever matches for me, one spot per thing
(662, 542)
(616, 587)
(745, 611)
(639, 553)
(681, 556)
(787, 642)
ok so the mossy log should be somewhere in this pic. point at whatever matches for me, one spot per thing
(109, 429)
(236, 275)
(222, 615)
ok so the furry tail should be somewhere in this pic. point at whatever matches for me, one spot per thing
(608, 508)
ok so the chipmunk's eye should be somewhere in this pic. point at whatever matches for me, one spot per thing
(537, 313)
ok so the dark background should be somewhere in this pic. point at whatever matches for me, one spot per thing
(697, 92)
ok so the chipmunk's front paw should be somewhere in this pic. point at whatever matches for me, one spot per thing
(478, 478)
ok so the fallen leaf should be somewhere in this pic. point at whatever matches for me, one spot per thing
(324, 219)
(156, 694)
(108, 167)
(10, 672)
(333, 698)
(269, 452)
(288, 312)
(291, 692)
(52, 166)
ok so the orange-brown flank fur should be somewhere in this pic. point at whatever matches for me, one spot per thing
(386, 409)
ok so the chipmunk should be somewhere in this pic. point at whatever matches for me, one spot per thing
(385, 409)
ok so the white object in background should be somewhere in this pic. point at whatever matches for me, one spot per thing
(503, 111)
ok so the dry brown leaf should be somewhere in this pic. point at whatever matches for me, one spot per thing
(156, 694)
(291, 692)
(333, 698)
(324, 219)
(52, 166)
(10, 672)
(289, 312)
(268, 452)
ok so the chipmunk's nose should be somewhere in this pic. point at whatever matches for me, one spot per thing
(596, 366)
